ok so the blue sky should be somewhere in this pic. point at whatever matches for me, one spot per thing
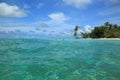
(55, 18)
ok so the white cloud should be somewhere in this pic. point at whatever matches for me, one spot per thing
(55, 26)
(78, 3)
(14, 11)
(41, 24)
(14, 28)
(85, 29)
(58, 17)
(52, 27)
(88, 28)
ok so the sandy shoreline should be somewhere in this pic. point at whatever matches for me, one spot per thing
(101, 39)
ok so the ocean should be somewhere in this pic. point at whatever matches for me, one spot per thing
(58, 59)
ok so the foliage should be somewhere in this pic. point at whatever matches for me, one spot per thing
(86, 35)
(76, 32)
(106, 31)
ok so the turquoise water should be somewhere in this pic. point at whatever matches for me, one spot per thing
(57, 59)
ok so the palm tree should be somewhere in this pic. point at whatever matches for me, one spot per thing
(106, 24)
(76, 32)
(115, 26)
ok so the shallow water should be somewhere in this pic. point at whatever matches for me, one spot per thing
(69, 59)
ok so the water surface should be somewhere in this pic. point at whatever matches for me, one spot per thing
(69, 59)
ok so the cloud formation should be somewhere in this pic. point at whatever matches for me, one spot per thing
(12, 11)
(78, 3)
(87, 29)
(54, 27)
(58, 17)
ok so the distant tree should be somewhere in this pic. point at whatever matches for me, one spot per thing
(85, 35)
(110, 26)
(106, 31)
(76, 28)
(115, 25)
(106, 24)
(76, 32)
(97, 32)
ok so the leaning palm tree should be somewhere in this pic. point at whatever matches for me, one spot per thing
(76, 32)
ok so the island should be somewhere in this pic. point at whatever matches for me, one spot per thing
(106, 31)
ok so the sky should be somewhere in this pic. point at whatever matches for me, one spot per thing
(54, 18)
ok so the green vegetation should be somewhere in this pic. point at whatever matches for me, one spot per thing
(76, 32)
(106, 31)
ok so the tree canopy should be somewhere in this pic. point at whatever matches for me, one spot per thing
(106, 31)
